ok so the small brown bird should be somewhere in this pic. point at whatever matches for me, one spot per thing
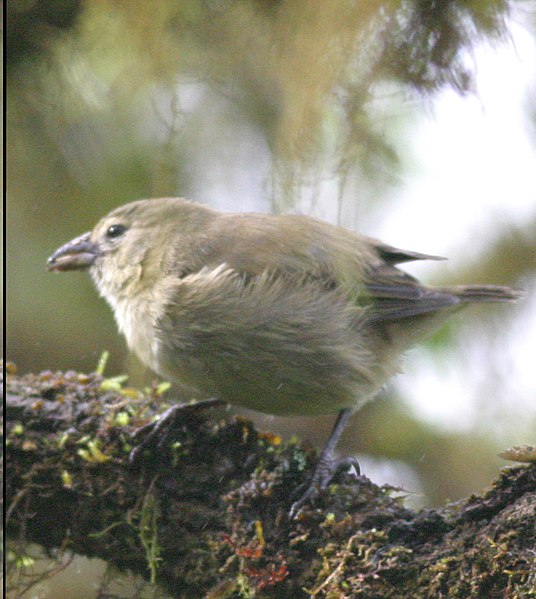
(280, 314)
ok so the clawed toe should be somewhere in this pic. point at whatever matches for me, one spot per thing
(326, 469)
(156, 435)
(151, 435)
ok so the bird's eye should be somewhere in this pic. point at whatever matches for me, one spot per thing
(115, 231)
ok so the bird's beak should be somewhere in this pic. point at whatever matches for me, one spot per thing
(77, 254)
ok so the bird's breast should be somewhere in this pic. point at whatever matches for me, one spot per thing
(136, 319)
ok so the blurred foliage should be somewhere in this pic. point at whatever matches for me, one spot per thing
(285, 102)
(304, 74)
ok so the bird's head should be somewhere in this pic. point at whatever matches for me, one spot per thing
(127, 248)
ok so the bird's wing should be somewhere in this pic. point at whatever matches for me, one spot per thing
(393, 255)
(307, 249)
(393, 294)
(253, 244)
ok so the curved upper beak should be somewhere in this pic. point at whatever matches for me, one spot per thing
(77, 254)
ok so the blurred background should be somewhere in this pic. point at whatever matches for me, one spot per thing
(411, 121)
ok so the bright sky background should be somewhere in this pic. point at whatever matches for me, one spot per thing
(475, 155)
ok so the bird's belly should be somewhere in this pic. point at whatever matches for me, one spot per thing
(266, 347)
(274, 386)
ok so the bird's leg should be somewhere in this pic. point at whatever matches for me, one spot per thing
(156, 434)
(327, 465)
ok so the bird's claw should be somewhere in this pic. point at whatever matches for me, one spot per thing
(156, 434)
(326, 469)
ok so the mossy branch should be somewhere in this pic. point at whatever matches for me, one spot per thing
(209, 517)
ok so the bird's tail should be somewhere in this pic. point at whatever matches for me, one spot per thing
(485, 293)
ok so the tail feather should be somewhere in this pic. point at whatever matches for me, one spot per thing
(485, 293)
(403, 301)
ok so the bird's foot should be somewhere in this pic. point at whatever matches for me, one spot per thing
(326, 469)
(155, 435)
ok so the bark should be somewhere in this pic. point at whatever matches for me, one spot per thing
(207, 516)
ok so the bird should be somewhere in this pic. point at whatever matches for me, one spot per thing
(282, 314)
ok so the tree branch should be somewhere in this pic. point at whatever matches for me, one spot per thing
(208, 517)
